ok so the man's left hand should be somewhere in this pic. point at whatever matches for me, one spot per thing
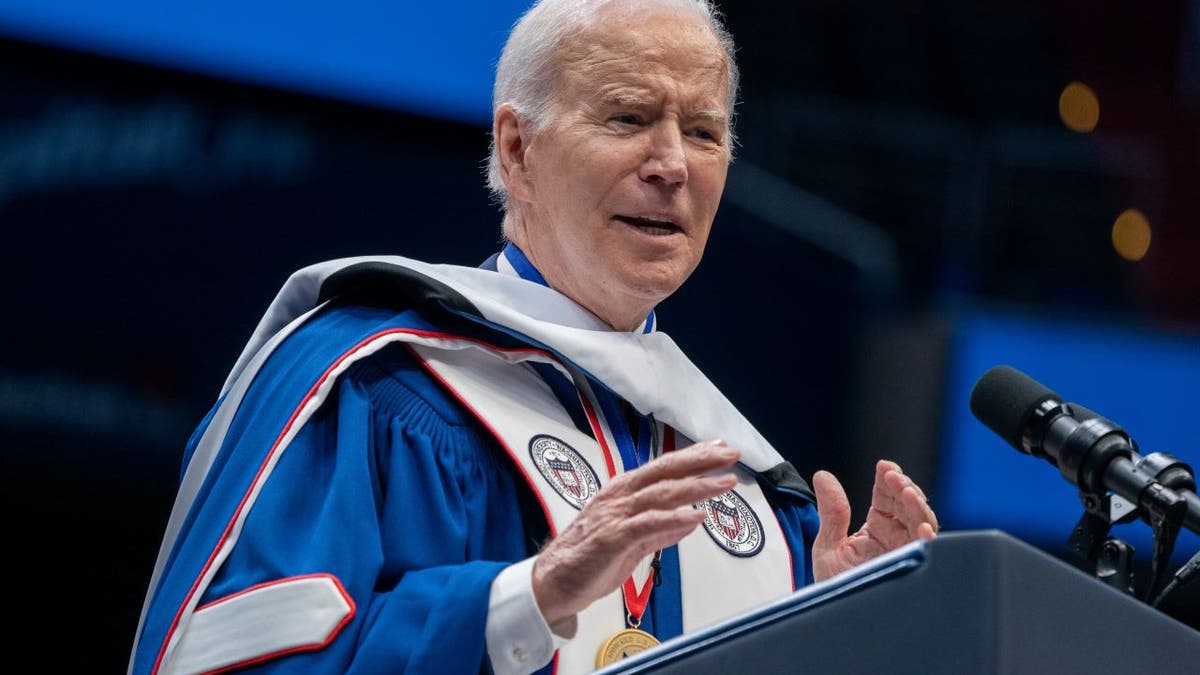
(899, 514)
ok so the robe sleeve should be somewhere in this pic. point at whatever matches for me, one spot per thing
(392, 491)
(798, 518)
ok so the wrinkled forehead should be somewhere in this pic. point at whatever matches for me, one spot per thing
(657, 40)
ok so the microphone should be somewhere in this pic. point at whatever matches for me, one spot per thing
(1091, 452)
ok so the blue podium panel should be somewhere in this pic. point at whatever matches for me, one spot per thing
(977, 603)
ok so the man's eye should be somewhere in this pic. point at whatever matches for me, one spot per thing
(627, 119)
(704, 134)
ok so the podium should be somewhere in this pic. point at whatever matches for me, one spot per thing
(967, 603)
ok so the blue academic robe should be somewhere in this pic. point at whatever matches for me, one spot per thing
(397, 491)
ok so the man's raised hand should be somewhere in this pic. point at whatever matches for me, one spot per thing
(899, 514)
(633, 515)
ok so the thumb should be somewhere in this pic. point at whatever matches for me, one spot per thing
(833, 509)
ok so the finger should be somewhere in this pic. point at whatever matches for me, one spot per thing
(897, 480)
(909, 500)
(674, 493)
(901, 502)
(647, 526)
(833, 510)
(602, 552)
(654, 530)
(618, 533)
(882, 495)
(885, 465)
(890, 484)
(927, 532)
(920, 492)
(693, 460)
(915, 512)
(889, 530)
(904, 523)
(587, 561)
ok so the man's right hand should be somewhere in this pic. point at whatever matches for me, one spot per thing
(634, 515)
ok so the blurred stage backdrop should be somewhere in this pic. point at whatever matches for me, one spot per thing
(924, 190)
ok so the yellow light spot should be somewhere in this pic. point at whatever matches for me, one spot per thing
(1078, 107)
(1131, 235)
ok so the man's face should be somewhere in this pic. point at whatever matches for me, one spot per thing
(625, 180)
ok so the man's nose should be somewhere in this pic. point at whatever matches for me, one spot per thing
(665, 162)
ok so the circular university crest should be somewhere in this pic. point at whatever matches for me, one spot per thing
(567, 472)
(733, 524)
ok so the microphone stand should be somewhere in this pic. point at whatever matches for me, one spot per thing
(1160, 504)
(1166, 518)
(1109, 558)
(1186, 574)
(1176, 476)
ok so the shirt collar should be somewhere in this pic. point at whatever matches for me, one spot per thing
(513, 262)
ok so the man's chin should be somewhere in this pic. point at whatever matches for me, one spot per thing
(652, 281)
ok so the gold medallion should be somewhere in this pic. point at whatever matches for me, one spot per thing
(623, 644)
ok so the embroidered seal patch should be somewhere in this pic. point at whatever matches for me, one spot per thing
(733, 524)
(567, 472)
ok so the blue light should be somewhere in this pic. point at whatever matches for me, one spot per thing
(426, 58)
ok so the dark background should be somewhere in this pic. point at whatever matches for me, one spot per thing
(148, 215)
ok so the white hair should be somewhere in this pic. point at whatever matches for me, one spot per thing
(527, 73)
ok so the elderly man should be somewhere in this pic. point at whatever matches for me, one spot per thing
(434, 468)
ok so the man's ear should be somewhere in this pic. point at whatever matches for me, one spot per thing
(512, 142)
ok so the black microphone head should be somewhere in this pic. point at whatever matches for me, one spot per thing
(1004, 398)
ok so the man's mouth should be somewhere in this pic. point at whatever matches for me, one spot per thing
(651, 225)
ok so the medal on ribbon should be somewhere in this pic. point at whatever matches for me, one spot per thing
(631, 640)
